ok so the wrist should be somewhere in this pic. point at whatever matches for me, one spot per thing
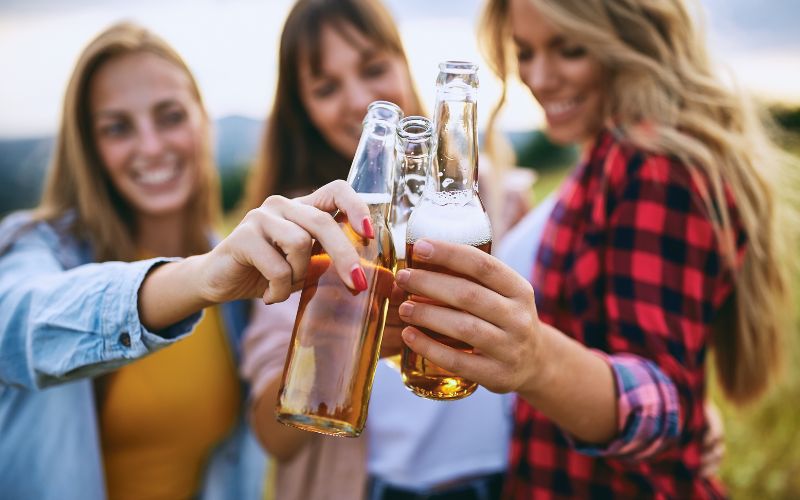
(543, 375)
(195, 268)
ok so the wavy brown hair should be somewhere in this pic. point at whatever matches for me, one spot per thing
(665, 98)
(294, 157)
(77, 181)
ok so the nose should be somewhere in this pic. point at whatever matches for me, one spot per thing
(542, 75)
(151, 143)
(358, 97)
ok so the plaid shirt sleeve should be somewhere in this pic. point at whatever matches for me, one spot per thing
(648, 407)
(664, 280)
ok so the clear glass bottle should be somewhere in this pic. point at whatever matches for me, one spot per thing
(337, 332)
(414, 147)
(450, 210)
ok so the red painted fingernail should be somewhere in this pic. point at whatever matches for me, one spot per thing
(359, 279)
(367, 225)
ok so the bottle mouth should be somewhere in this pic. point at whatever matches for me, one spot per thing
(415, 128)
(384, 111)
(458, 67)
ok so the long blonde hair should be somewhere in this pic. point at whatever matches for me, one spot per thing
(77, 181)
(664, 97)
(294, 157)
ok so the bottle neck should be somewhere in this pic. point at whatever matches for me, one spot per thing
(413, 157)
(455, 163)
(372, 172)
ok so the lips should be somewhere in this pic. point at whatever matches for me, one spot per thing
(155, 175)
(557, 111)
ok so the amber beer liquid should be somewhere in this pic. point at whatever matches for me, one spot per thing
(334, 327)
(451, 221)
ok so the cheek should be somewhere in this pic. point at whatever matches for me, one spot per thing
(524, 71)
(113, 155)
(585, 75)
(397, 86)
(324, 114)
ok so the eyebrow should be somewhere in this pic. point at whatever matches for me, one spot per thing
(159, 106)
(556, 41)
(366, 54)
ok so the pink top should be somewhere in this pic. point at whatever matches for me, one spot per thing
(327, 468)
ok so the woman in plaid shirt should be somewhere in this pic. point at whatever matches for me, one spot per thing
(663, 243)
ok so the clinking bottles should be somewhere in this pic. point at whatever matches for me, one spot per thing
(450, 210)
(337, 332)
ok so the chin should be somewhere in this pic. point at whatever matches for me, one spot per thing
(565, 136)
(162, 207)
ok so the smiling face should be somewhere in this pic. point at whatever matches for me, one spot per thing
(353, 72)
(566, 80)
(147, 126)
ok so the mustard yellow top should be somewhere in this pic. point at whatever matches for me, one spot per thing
(162, 415)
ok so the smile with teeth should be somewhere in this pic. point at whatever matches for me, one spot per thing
(153, 176)
(561, 108)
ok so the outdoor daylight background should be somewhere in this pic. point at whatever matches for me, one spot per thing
(231, 46)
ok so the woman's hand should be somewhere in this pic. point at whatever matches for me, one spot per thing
(265, 256)
(514, 350)
(502, 324)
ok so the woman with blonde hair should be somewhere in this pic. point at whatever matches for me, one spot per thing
(132, 178)
(670, 239)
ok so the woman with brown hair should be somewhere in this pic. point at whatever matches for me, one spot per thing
(335, 58)
(132, 178)
(670, 239)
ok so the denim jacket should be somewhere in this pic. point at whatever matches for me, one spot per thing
(62, 322)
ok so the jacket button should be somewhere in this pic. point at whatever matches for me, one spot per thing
(125, 339)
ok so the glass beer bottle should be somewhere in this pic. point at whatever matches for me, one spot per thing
(449, 210)
(414, 147)
(337, 333)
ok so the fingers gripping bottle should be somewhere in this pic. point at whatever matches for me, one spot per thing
(337, 333)
(449, 210)
(414, 147)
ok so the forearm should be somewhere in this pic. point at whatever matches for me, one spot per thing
(60, 325)
(170, 293)
(574, 387)
(281, 441)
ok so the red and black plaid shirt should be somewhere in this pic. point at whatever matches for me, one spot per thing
(628, 265)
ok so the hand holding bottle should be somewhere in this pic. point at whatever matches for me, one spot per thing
(268, 252)
(486, 304)
(266, 256)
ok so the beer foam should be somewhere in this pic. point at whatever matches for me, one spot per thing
(375, 198)
(454, 222)
(399, 240)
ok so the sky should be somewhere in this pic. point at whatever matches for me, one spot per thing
(231, 46)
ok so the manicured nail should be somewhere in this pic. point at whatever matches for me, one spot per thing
(422, 249)
(366, 224)
(408, 335)
(406, 309)
(402, 276)
(359, 279)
